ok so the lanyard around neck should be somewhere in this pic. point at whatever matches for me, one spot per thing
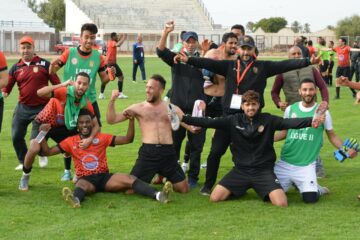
(239, 77)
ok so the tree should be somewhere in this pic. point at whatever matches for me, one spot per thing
(296, 27)
(251, 26)
(306, 28)
(53, 13)
(273, 24)
(349, 26)
(33, 5)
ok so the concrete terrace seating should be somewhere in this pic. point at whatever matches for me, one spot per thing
(146, 14)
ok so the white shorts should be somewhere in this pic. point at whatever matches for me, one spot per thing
(304, 177)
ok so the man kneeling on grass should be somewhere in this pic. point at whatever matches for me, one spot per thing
(252, 139)
(91, 164)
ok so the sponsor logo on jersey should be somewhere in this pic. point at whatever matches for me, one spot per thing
(74, 61)
(95, 141)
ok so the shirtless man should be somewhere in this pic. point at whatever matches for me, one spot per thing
(226, 51)
(157, 153)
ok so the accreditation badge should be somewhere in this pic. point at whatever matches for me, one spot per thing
(36, 69)
(235, 101)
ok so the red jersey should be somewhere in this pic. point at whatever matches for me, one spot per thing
(3, 65)
(65, 55)
(111, 52)
(91, 160)
(343, 56)
(311, 50)
(53, 112)
(29, 79)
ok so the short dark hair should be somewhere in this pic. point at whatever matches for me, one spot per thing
(113, 34)
(238, 26)
(250, 96)
(84, 112)
(228, 35)
(310, 43)
(83, 74)
(307, 80)
(160, 79)
(343, 39)
(89, 27)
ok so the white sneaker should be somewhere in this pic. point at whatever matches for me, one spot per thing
(184, 166)
(43, 161)
(203, 165)
(174, 118)
(122, 96)
(19, 167)
(101, 96)
(323, 190)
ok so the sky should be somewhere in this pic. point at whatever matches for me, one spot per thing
(318, 13)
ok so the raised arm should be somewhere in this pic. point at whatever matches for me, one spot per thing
(46, 91)
(121, 40)
(320, 83)
(112, 116)
(129, 138)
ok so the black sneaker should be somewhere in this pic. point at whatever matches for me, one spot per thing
(205, 191)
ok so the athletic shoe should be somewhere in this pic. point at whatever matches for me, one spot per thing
(174, 118)
(323, 190)
(158, 180)
(122, 96)
(192, 183)
(145, 81)
(134, 81)
(164, 194)
(75, 179)
(24, 182)
(68, 196)
(185, 166)
(19, 167)
(205, 191)
(203, 165)
(101, 96)
(43, 161)
(320, 110)
(66, 176)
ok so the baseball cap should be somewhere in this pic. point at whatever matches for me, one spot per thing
(27, 39)
(188, 35)
(247, 41)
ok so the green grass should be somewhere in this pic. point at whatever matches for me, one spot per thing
(42, 214)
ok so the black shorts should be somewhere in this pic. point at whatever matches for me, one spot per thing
(343, 71)
(118, 73)
(158, 158)
(324, 66)
(97, 111)
(98, 180)
(239, 181)
(60, 133)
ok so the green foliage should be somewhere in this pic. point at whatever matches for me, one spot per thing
(33, 5)
(296, 27)
(349, 26)
(306, 28)
(53, 13)
(41, 212)
(251, 26)
(273, 24)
